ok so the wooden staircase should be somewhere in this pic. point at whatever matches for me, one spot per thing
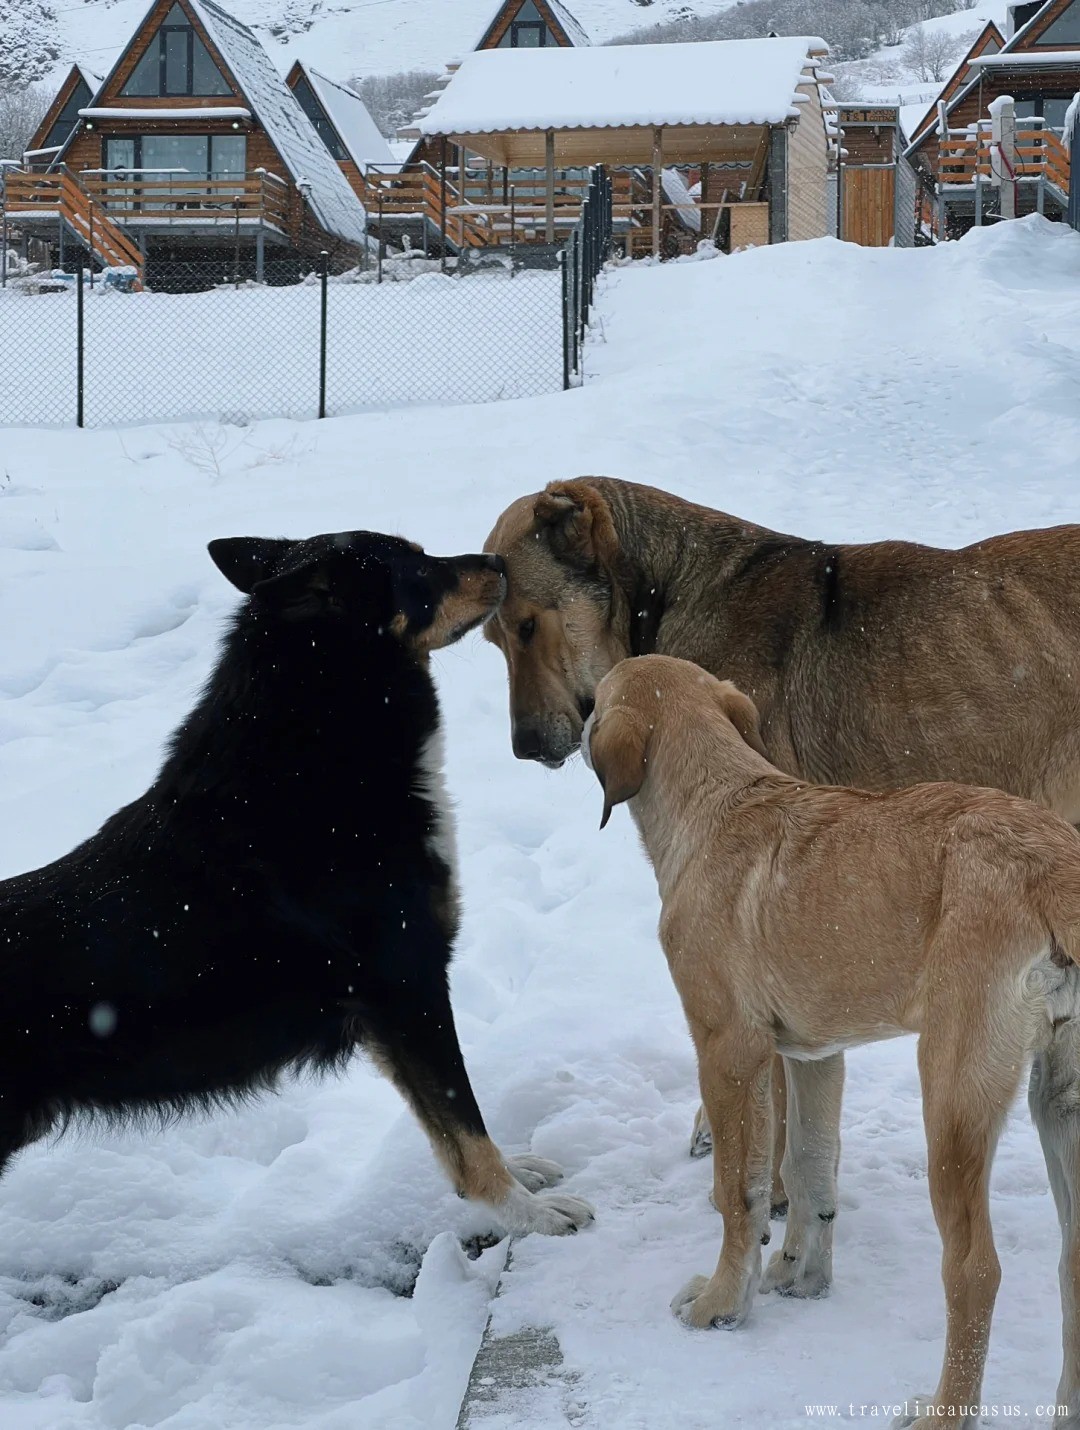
(60, 192)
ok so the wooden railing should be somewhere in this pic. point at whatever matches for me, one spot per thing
(965, 154)
(115, 199)
(181, 198)
(61, 194)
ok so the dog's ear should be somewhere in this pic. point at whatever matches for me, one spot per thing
(247, 560)
(304, 591)
(743, 714)
(619, 754)
(576, 522)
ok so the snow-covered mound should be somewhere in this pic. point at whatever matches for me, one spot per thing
(250, 1271)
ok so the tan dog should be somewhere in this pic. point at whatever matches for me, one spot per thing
(876, 665)
(807, 919)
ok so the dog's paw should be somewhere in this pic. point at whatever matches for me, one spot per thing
(698, 1306)
(546, 1213)
(534, 1173)
(791, 1277)
(920, 1413)
(701, 1136)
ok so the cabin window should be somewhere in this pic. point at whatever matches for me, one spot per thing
(188, 157)
(176, 62)
(309, 103)
(527, 30)
(1051, 110)
(1064, 31)
(68, 117)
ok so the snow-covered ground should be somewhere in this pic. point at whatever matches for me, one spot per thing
(245, 1272)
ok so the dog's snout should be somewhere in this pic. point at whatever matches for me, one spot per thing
(495, 563)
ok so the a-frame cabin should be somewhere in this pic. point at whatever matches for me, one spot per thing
(342, 122)
(194, 155)
(59, 120)
(968, 171)
(516, 24)
(532, 24)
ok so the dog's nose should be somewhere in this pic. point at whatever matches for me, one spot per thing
(495, 563)
(526, 742)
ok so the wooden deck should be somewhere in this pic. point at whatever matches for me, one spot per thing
(106, 211)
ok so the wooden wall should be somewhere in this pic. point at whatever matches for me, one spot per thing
(808, 168)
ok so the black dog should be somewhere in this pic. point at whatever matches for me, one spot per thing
(285, 890)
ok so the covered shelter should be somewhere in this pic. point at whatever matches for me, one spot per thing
(744, 118)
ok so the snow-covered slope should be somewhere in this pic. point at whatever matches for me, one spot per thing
(347, 37)
(244, 1273)
(882, 77)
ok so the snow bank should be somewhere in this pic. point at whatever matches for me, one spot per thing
(247, 1272)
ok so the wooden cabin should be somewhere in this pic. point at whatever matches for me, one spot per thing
(532, 24)
(876, 184)
(408, 206)
(342, 121)
(745, 117)
(59, 120)
(193, 152)
(991, 147)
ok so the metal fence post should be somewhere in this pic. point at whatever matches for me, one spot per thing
(575, 259)
(382, 244)
(80, 343)
(324, 274)
(564, 273)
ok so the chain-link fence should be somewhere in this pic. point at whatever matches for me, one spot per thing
(102, 354)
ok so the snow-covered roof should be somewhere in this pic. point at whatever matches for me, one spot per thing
(618, 86)
(332, 201)
(182, 112)
(349, 115)
(1022, 59)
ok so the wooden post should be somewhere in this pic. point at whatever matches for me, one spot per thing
(657, 187)
(442, 204)
(463, 159)
(549, 148)
(703, 202)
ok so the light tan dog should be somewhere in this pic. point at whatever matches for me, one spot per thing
(805, 919)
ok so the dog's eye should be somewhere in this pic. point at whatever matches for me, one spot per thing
(526, 631)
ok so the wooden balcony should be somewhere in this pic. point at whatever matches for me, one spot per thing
(152, 201)
(964, 157)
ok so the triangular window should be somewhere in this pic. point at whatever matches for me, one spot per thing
(1065, 30)
(527, 30)
(176, 62)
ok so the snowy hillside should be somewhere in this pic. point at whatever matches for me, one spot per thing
(246, 1272)
(341, 38)
(884, 77)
